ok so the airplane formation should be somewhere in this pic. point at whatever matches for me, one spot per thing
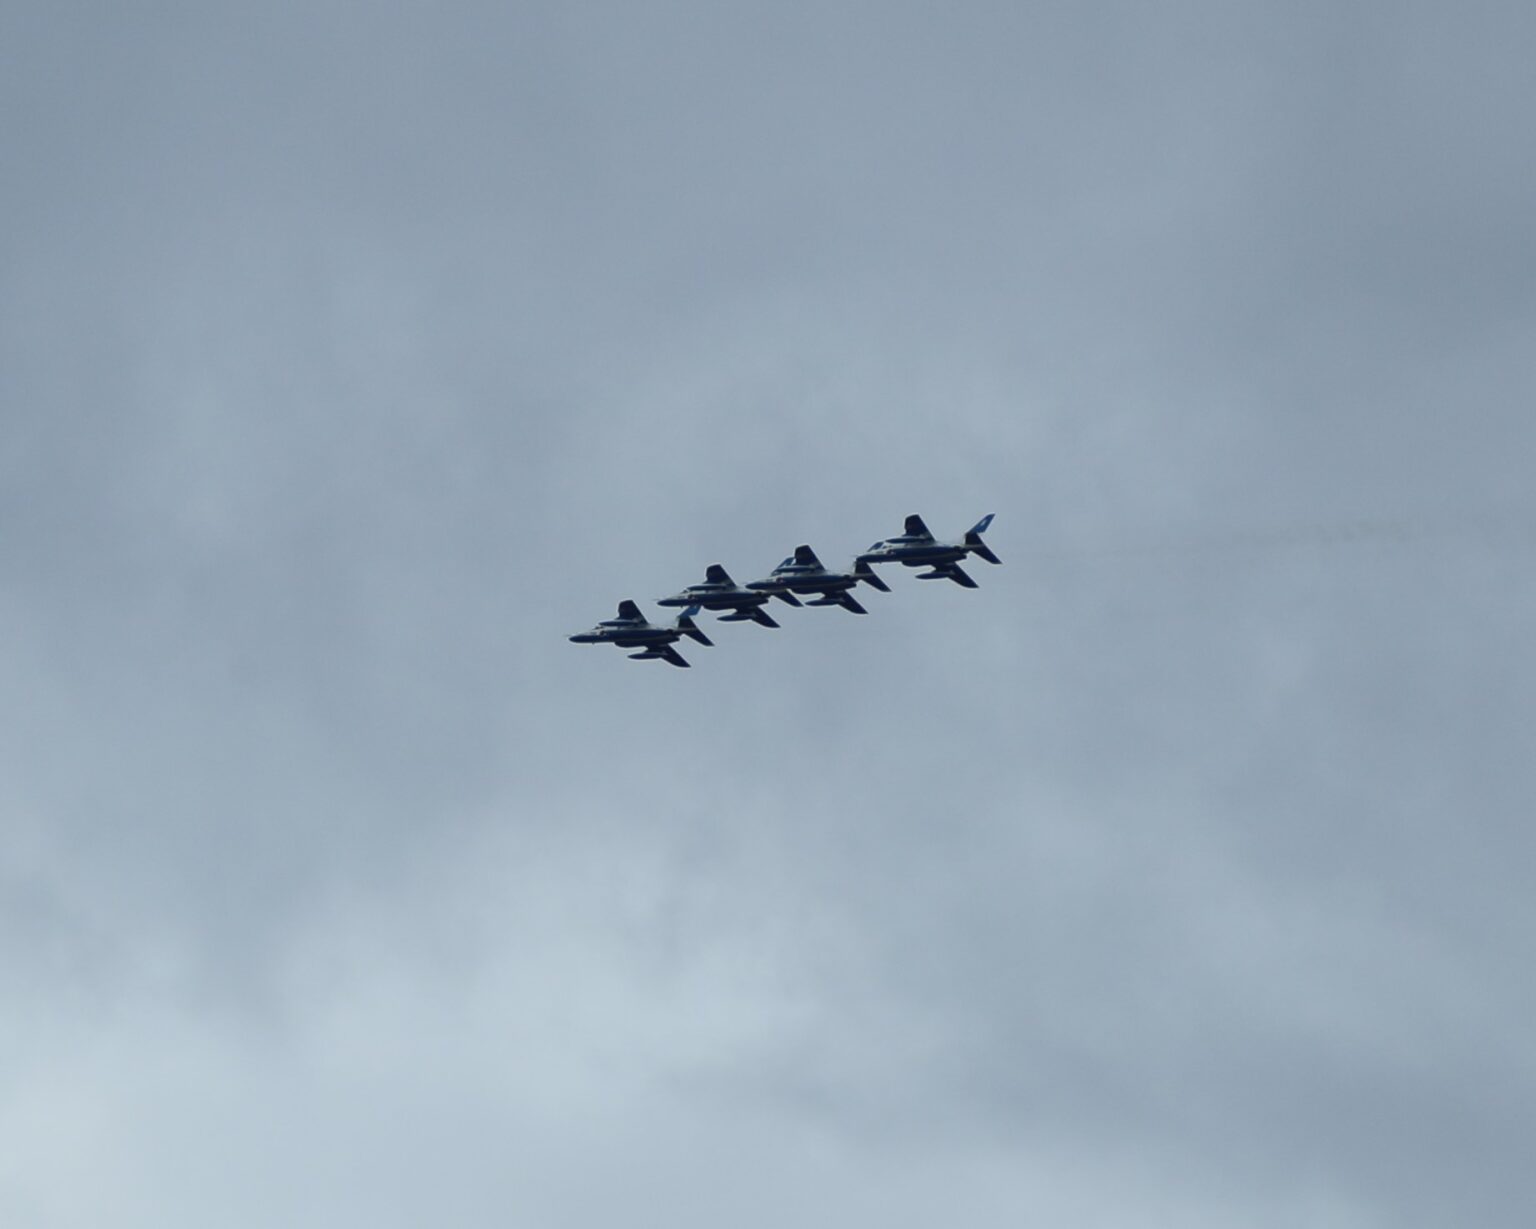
(800, 575)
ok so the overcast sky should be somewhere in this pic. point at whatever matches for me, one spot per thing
(352, 355)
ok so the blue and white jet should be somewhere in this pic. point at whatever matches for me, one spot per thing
(916, 548)
(802, 572)
(631, 631)
(720, 592)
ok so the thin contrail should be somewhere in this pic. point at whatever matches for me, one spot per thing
(1507, 529)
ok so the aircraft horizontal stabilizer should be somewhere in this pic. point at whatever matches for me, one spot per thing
(869, 576)
(689, 628)
(975, 545)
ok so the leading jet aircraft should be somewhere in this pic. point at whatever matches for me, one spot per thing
(720, 592)
(916, 548)
(631, 631)
(802, 572)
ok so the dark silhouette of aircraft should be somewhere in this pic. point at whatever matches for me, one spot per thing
(802, 572)
(631, 631)
(720, 592)
(916, 548)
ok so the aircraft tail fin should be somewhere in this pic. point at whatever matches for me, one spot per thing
(867, 574)
(689, 628)
(973, 541)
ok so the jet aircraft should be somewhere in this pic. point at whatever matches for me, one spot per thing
(802, 572)
(720, 592)
(916, 548)
(631, 631)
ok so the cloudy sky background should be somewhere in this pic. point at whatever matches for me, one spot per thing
(352, 355)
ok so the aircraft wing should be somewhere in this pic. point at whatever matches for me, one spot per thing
(848, 602)
(916, 529)
(955, 573)
(629, 610)
(717, 575)
(668, 654)
(806, 557)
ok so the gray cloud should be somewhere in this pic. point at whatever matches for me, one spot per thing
(351, 356)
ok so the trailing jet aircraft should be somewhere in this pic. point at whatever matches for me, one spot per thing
(631, 631)
(720, 592)
(802, 572)
(916, 548)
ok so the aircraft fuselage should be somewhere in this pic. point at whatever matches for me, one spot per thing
(914, 554)
(711, 598)
(795, 581)
(627, 636)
